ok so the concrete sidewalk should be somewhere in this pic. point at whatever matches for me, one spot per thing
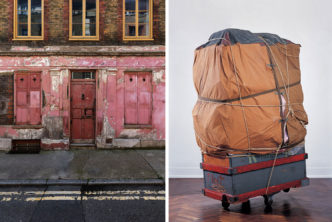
(83, 167)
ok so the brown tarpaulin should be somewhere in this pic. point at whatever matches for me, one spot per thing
(241, 110)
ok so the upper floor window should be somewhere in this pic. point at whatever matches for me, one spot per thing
(137, 16)
(28, 19)
(84, 20)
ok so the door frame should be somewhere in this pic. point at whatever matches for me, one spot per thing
(70, 100)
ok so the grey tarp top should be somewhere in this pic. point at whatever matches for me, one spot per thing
(234, 36)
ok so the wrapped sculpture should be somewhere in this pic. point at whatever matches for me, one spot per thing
(250, 98)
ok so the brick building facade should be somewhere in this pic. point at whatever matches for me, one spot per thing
(77, 72)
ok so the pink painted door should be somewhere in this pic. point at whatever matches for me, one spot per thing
(83, 100)
(138, 98)
(131, 98)
(28, 107)
(144, 99)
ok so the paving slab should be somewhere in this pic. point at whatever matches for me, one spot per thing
(156, 159)
(78, 166)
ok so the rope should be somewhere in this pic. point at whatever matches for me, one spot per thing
(274, 163)
(235, 149)
(244, 105)
(282, 76)
(290, 110)
(238, 86)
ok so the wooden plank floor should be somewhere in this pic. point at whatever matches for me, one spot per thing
(311, 203)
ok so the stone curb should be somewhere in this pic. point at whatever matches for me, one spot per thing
(90, 182)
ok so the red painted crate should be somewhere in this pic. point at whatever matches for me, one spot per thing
(237, 178)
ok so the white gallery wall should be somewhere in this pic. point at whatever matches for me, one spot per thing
(306, 22)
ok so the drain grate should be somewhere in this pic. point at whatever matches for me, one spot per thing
(25, 146)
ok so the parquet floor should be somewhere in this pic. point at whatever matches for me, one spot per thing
(311, 203)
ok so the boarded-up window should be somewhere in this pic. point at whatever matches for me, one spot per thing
(28, 98)
(138, 98)
(6, 98)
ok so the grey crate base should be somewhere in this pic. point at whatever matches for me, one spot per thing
(261, 192)
(236, 161)
(254, 180)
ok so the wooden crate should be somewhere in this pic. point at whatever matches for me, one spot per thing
(237, 178)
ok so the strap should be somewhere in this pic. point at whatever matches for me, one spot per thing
(246, 97)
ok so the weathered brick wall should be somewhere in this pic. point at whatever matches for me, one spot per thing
(54, 16)
(110, 20)
(6, 98)
(161, 21)
(56, 24)
(4, 9)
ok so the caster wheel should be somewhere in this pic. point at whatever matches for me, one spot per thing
(225, 203)
(268, 200)
(246, 205)
(286, 190)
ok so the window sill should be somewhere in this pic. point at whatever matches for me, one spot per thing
(27, 126)
(137, 39)
(83, 39)
(28, 39)
(133, 126)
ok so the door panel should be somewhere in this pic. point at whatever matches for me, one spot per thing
(144, 98)
(76, 128)
(28, 106)
(22, 98)
(83, 101)
(34, 81)
(131, 98)
(22, 115)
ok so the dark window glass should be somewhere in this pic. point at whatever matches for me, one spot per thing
(36, 29)
(77, 17)
(90, 29)
(90, 18)
(36, 5)
(130, 17)
(143, 17)
(36, 17)
(143, 30)
(22, 4)
(130, 30)
(77, 29)
(130, 4)
(77, 4)
(22, 29)
(91, 5)
(143, 4)
(83, 75)
(22, 17)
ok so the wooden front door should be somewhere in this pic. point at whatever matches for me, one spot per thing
(83, 104)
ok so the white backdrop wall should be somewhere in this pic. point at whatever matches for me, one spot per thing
(306, 22)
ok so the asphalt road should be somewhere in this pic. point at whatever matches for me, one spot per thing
(73, 203)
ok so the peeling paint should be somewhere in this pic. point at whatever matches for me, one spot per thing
(158, 76)
(121, 80)
(29, 134)
(53, 127)
(109, 95)
(138, 134)
(55, 82)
